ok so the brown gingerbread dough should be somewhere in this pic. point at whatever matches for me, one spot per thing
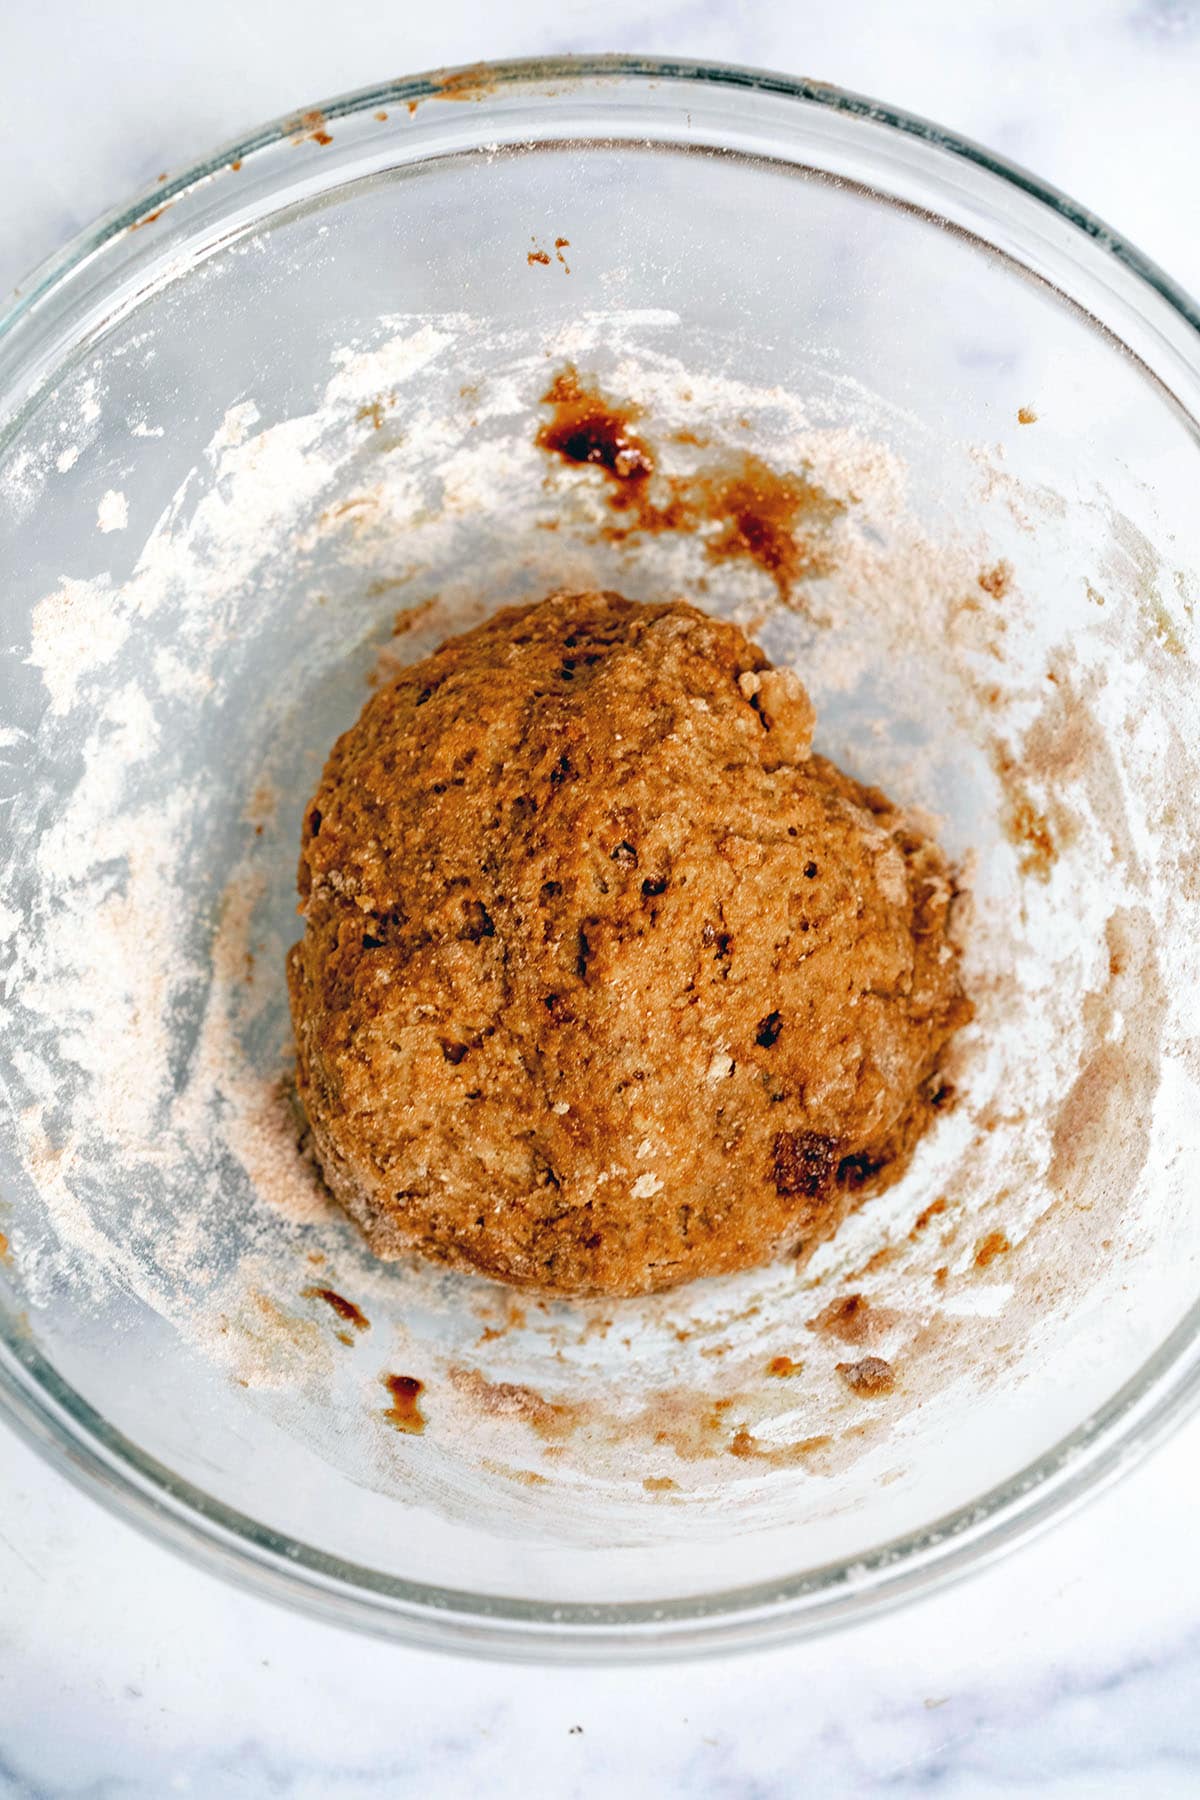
(607, 980)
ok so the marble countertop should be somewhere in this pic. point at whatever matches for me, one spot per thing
(1070, 1669)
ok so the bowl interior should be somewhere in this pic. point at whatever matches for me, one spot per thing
(252, 464)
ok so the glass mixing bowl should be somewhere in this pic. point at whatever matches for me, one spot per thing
(269, 430)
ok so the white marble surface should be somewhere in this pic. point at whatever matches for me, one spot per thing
(1071, 1669)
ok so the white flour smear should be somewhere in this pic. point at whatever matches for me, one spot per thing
(148, 897)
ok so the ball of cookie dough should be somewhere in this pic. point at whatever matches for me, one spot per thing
(608, 981)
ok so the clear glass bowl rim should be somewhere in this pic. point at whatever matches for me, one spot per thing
(58, 1422)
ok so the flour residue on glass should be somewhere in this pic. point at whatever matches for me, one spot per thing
(148, 900)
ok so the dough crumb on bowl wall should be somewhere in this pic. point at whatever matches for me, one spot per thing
(155, 886)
